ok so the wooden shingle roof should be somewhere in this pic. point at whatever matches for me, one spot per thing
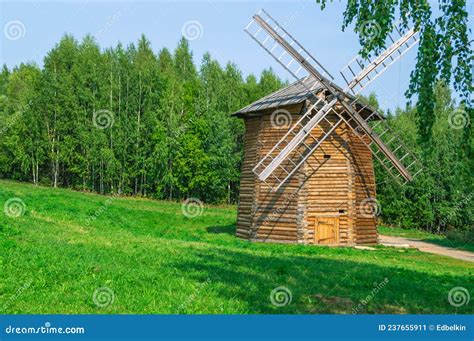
(294, 93)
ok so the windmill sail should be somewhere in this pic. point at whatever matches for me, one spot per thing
(365, 72)
(297, 60)
(292, 150)
(295, 138)
(395, 144)
(359, 73)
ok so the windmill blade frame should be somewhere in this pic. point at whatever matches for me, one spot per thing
(393, 141)
(366, 74)
(302, 57)
(298, 133)
(376, 67)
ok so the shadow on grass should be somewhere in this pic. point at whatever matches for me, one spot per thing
(226, 229)
(320, 285)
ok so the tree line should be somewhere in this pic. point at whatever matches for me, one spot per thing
(440, 199)
(127, 121)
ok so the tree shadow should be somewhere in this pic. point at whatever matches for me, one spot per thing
(222, 229)
(320, 285)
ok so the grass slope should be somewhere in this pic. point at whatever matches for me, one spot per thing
(156, 260)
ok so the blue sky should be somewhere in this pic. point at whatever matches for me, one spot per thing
(43, 23)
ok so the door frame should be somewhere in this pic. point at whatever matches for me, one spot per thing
(314, 219)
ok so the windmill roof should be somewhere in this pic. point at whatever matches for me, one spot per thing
(294, 93)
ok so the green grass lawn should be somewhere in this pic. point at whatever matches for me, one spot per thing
(426, 237)
(156, 260)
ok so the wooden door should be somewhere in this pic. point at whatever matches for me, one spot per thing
(326, 230)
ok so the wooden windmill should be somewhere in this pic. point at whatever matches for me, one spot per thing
(313, 181)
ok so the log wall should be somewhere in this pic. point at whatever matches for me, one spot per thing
(246, 208)
(365, 203)
(278, 216)
(337, 180)
(328, 185)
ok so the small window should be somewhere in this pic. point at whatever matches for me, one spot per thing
(342, 211)
(326, 156)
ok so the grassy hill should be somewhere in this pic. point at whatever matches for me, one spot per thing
(144, 256)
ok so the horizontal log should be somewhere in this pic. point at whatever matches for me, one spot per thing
(268, 238)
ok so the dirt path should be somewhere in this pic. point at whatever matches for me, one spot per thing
(426, 247)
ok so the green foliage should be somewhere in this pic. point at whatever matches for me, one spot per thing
(158, 261)
(168, 131)
(444, 51)
(440, 198)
